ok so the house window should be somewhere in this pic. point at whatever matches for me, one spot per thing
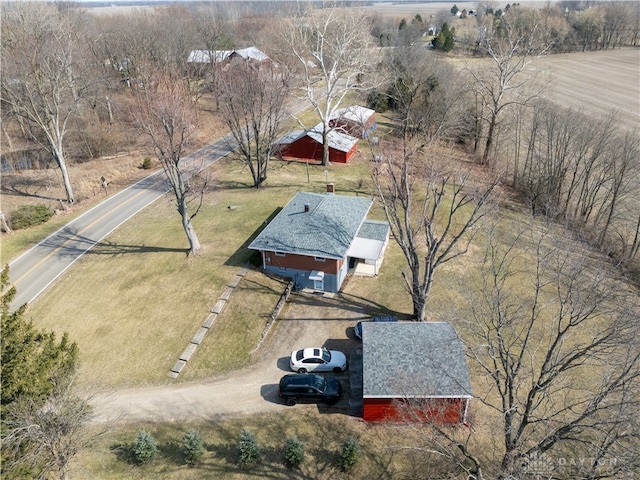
(281, 254)
(319, 259)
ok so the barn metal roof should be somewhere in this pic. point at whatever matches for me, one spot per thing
(326, 230)
(355, 113)
(206, 56)
(338, 141)
(413, 359)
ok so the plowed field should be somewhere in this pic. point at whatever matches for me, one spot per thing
(598, 82)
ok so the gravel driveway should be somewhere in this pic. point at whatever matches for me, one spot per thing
(308, 320)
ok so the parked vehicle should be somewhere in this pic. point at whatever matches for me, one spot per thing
(380, 318)
(317, 360)
(296, 388)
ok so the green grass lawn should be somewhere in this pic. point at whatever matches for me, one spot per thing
(135, 300)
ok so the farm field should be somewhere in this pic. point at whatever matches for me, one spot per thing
(598, 82)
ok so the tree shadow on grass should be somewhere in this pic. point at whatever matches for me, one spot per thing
(124, 453)
(343, 301)
(243, 255)
(172, 452)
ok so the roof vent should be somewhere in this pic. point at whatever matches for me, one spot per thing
(306, 207)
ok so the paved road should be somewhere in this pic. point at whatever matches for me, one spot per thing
(36, 269)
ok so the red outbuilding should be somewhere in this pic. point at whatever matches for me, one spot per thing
(414, 367)
(356, 121)
(306, 145)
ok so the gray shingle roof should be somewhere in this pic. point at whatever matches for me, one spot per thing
(326, 230)
(374, 230)
(413, 359)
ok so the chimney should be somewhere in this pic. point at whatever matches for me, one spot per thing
(306, 207)
(330, 188)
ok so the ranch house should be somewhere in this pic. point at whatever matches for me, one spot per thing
(417, 365)
(316, 239)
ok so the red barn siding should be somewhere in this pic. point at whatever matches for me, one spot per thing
(302, 262)
(353, 128)
(307, 149)
(439, 410)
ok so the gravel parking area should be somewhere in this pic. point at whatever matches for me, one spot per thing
(309, 319)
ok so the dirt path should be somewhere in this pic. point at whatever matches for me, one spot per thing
(308, 320)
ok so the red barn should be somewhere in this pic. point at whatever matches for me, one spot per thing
(306, 145)
(417, 364)
(356, 121)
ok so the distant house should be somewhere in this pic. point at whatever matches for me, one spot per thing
(356, 121)
(222, 58)
(306, 145)
(316, 237)
(423, 361)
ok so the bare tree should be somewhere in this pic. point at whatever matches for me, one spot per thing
(550, 341)
(430, 449)
(212, 36)
(332, 48)
(579, 170)
(166, 115)
(423, 93)
(556, 340)
(432, 214)
(254, 110)
(511, 44)
(42, 81)
(45, 437)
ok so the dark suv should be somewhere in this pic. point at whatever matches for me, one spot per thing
(309, 386)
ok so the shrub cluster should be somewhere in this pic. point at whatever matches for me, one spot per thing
(144, 450)
(27, 216)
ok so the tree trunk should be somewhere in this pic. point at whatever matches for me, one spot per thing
(4, 226)
(325, 146)
(62, 164)
(489, 142)
(194, 243)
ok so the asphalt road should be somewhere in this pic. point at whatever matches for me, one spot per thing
(37, 268)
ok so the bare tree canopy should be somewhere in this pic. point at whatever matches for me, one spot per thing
(511, 42)
(333, 47)
(166, 115)
(423, 93)
(42, 79)
(254, 109)
(556, 340)
(431, 212)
